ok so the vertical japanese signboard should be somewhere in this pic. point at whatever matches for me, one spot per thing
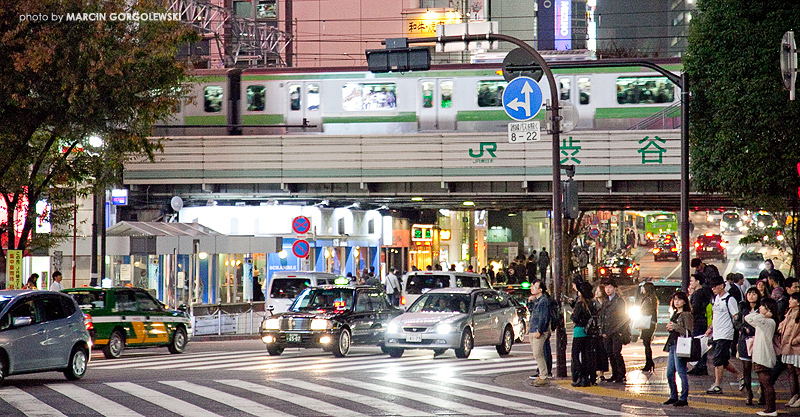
(14, 269)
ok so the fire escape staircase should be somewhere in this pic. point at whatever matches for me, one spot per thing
(240, 38)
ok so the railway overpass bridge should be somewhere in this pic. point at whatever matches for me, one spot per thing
(638, 170)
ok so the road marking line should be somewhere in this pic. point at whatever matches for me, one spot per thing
(303, 401)
(239, 403)
(162, 400)
(423, 398)
(27, 403)
(94, 401)
(387, 406)
(532, 396)
(474, 396)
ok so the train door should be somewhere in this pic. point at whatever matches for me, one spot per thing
(304, 101)
(435, 105)
(577, 89)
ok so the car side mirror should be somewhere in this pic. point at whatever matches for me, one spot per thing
(22, 321)
(479, 310)
(182, 307)
(270, 309)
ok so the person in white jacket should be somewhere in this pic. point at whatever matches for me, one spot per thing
(763, 353)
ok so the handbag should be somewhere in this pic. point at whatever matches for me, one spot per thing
(688, 348)
(642, 322)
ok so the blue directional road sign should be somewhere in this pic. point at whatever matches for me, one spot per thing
(522, 98)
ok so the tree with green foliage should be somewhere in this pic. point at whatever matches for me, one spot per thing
(67, 79)
(744, 130)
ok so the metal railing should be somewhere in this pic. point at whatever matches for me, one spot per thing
(661, 116)
(219, 319)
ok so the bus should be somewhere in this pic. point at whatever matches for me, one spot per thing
(657, 224)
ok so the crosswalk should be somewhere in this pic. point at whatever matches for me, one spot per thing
(483, 361)
(385, 395)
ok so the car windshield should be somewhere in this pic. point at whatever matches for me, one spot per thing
(314, 299)
(88, 300)
(728, 217)
(618, 262)
(441, 303)
(288, 287)
(752, 257)
(417, 284)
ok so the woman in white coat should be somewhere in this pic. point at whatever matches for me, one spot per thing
(763, 353)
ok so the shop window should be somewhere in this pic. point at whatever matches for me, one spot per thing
(361, 96)
(636, 90)
(256, 97)
(490, 93)
(584, 89)
(446, 88)
(212, 99)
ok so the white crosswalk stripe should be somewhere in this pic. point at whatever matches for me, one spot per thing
(385, 395)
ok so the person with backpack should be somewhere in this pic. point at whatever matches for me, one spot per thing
(584, 316)
(701, 298)
(725, 310)
(614, 324)
(539, 306)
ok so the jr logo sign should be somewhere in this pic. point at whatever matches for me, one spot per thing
(488, 147)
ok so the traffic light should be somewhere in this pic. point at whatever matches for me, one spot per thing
(398, 57)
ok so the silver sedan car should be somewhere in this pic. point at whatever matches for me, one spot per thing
(453, 318)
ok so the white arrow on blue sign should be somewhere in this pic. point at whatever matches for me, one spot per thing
(522, 98)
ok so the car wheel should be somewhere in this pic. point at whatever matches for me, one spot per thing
(384, 349)
(504, 348)
(3, 366)
(395, 352)
(466, 345)
(274, 350)
(178, 341)
(342, 346)
(76, 368)
(522, 332)
(115, 346)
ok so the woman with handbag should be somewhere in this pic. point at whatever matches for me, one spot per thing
(763, 352)
(751, 302)
(790, 347)
(648, 310)
(680, 324)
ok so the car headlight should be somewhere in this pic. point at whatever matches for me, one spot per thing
(762, 266)
(723, 224)
(738, 224)
(444, 329)
(392, 328)
(740, 265)
(272, 324)
(634, 313)
(320, 324)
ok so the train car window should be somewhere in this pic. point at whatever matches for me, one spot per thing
(256, 97)
(373, 96)
(212, 99)
(446, 88)
(312, 97)
(490, 93)
(427, 94)
(564, 87)
(294, 97)
(584, 89)
(643, 90)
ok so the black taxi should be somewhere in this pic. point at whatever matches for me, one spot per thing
(332, 318)
(121, 317)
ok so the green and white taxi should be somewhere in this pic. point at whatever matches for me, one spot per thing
(121, 317)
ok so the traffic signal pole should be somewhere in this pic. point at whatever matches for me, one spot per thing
(557, 213)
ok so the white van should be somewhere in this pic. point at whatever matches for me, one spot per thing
(285, 286)
(416, 283)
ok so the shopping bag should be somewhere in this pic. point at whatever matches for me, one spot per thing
(705, 344)
(642, 322)
(688, 348)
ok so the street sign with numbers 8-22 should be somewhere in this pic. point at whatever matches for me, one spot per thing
(523, 132)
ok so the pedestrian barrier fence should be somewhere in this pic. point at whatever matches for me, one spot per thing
(219, 319)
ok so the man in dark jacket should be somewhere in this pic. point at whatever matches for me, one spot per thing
(701, 297)
(613, 323)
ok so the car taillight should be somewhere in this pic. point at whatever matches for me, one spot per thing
(656, 250)
(402, 300)
(629, 271)
(696, 245)
(674, 249)
(602, 271)
(87, 321)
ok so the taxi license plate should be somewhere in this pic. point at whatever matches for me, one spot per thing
(293, 337)
(616, 270)
(710, 249)
(413, 338)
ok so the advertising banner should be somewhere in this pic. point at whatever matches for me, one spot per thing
(14, 269)
(563, 25)
(546, 25)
